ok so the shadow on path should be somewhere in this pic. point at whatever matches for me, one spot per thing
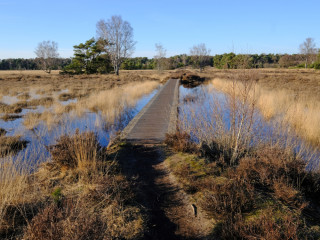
(139, 163)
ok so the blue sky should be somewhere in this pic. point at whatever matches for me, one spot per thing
(224, 26)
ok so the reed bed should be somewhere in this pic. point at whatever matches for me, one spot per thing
(300, 112)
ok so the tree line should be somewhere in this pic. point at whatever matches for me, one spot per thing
(93, 61)
(111, 51)
(31, 64)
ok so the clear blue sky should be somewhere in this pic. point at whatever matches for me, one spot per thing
(242, 26)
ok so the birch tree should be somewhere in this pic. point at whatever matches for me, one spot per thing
(308, 49)
(200, 54)
(47, 54)
(119, 36)
(160, 57)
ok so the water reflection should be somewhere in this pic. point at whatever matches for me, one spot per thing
(207, 115)
(41, 136)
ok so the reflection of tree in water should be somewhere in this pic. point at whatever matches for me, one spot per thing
(192, 95)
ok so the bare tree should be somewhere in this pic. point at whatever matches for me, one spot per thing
(160, 57)
(309, 50)
(200, 54)
(119, 36)
(47, 54)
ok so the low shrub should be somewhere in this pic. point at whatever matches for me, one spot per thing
(69, 221)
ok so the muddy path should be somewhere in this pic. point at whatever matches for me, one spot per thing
(169, 211)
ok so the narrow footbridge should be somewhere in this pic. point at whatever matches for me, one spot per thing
(157, 118)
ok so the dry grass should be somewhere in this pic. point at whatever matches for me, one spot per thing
(10, 117)
(24, 96)
(31, 120)
(79, 194)
(300, 111)
(11, 145)
(2, 132)
(113, 102)
(66, 96)
(81, 85)
(5, 108)
(17, 200)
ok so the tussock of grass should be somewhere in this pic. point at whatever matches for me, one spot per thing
(5, 108)
(66, 96)
(45, 101)
(11, 145)
(181, 142)
(2, 132)
(10, 117)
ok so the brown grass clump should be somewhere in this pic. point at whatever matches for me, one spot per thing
(67, 222)
(180, 142)
(66, 96)
(39, 83)
(11, 145)
(79, 151)
(2, 132)
(5, 108)
(10, 117)
(268, 224)
(45, 101)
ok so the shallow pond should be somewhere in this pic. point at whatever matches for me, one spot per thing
(208, 114)
(42, 136)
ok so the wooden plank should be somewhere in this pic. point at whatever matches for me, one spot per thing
(157, 118)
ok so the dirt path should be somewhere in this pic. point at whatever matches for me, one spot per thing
(171, 214)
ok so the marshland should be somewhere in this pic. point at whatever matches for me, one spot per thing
(159, 120)
(247, 146)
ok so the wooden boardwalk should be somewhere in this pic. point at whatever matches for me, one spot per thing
(157, 118)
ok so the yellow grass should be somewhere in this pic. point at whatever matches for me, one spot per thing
(112, 102)
(300, 112)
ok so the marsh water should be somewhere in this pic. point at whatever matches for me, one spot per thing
(42, 135)
(205, 112)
